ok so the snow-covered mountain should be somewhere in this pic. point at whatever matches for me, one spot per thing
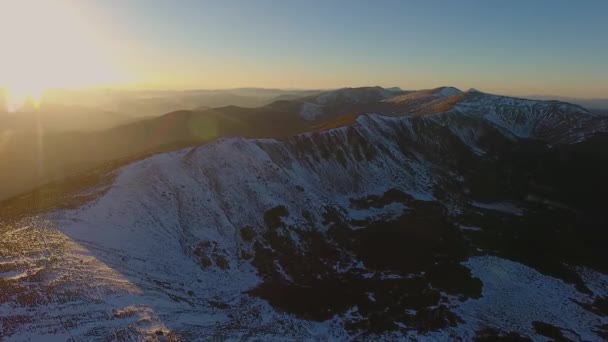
(442, 215)
(551, 120)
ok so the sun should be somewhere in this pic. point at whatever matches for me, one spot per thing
(49, 44)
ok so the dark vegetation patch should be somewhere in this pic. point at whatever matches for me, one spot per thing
(602, 331)
(492, 335)
(601, 305)
(543, 239)
(273, 217)
(307, 215)
(218, 304)
(375, 201)
(411, 243)
(247, 233)
(598, 306)
(569, 174)
(408, 262)
(549, 331)
(207, 254)
(560, 188)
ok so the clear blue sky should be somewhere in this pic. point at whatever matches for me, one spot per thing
(517, 47)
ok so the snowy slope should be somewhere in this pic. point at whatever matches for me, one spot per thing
(548, 120)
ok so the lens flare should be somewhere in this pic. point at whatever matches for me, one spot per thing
(49, 44)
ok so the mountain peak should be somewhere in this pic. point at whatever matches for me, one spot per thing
(446, 91)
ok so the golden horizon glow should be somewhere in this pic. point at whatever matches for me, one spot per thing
(48, 44)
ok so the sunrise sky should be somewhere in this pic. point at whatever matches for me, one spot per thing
(509, 47)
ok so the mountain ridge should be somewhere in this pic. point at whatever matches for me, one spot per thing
(77, 151)
(245, 225)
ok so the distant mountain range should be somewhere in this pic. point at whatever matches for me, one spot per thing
(592, 104)
(353, 214)
(96, 110)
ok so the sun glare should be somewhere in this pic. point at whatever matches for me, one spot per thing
(49, 44)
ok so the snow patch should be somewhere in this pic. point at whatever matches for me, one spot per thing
(515, 295)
